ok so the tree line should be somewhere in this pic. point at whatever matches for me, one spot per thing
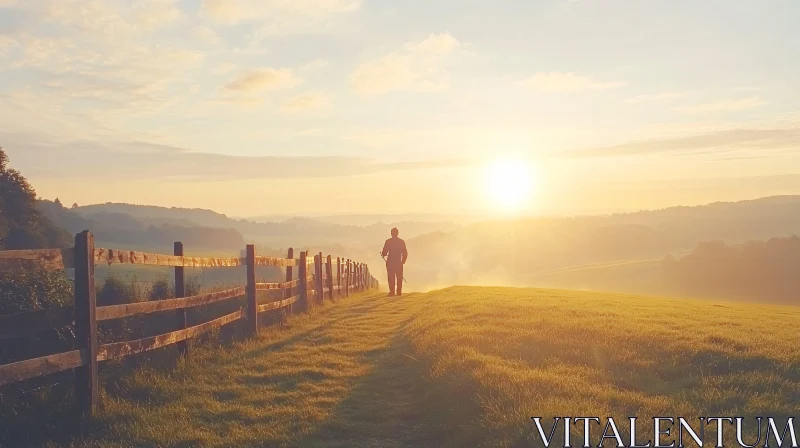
(759, 270)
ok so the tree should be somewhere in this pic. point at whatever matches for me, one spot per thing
(22, 226)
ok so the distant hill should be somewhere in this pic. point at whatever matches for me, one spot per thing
(196, 216)
(114, 226)
(290, 231)
(366, 219)
(519, 252)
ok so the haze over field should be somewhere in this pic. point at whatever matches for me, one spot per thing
(257, 108)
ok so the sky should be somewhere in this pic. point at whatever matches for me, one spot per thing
(258, 107)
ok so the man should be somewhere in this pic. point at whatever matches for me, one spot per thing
(396, 254)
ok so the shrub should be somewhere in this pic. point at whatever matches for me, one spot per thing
(160, 290)
(116, 291)
(29, 290)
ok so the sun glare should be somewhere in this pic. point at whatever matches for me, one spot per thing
(508, 184)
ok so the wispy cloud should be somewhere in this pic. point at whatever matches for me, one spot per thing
(566, 82)
(263, 79)
(316, 64)
(306, 102)
(91, 62)
(723, 106)
(205, 35)
(721, 142)
(418, 66)
(661, 97)
(280, 17)
(144, 160)
(6, 44)
(156, 13)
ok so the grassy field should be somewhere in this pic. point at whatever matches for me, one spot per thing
(463, 366)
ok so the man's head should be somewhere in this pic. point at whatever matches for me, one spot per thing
(395, 232)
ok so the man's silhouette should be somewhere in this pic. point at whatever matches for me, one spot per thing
(396, 255)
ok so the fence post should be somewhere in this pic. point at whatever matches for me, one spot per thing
(286, 295)
(329, 273)
(302, 276)
(346, 285)
(252, 303)
(318, 293)
(87, 392)
(180, 292)
(317, 270)
(339, 277)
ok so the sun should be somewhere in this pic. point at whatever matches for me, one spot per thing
(508, 184)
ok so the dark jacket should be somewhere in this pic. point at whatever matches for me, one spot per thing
(395, 251)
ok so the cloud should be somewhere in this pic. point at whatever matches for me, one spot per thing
(305, 102)
(153, 14)
(419, 66)
(6, 44)
(726, 141)
(316, 64)
(280, 17)
(566, 82)
(143, 160)
(205, 35)
(657, 97)
(90, 66)
(723, 106)
(263, 79)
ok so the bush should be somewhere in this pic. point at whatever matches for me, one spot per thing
(116, 291)
(161, 290)
(30, 290)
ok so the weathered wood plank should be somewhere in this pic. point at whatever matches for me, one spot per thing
(29, 323)
(114, 256)
(268, 286)
(18, 371)
(131, 309)
(275, 261)
(122, 349)
(277, 304)
(47, 259)
(273, 286)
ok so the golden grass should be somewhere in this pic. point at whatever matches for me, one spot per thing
(463, 366)
(529, 352)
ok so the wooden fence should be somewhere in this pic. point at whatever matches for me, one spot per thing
(331, 278)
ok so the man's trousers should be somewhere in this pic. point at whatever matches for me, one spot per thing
(395, 271)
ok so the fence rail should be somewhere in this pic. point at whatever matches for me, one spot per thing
(331, 278)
